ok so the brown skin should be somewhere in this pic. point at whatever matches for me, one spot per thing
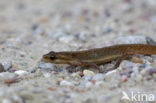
(97, 56)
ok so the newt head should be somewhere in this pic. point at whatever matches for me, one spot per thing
(57, 57)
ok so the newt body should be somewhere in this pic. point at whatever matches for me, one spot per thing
(94, 57)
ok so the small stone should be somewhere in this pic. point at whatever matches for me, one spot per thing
(99, 83)
(148, 78)
(17, 98)
(152, 71)
(112, 72)
(9, 77)
(144, 72)
(75, 75)
(98, 77)
(46, 74)
(66, 83)
(26, 95)
(88, 84)
(66, 39)
(21, 72)
(154, 75)
(12, 70)
(6, 101)
(32, 70)
(10, 80)
(88, 72)
(7, 65)
(46, 66)
(124, 78)
(136, 60)
(83, 83)
(139, 78)
(88, 77)
(1, 68)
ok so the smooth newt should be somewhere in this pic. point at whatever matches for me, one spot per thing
(97, 56)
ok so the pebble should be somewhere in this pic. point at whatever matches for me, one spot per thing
(124, 78)
(26, 95)
(139, 78)
(88, 72)
(88, 84)
(66, 39)
(46, 74)
(144, 72)
(75, 75)
(154, 75)
(98, 77)
(21, 72)
(7, 75)
(99, 83)
(1, 68)
(148, 78)
(46, 66)
(7, 65)
(10, 78)
(66, 83)
(55, 34)
(83, 83)
(6, 101)
(88, 77)
(131, 40)
(32, 70)
(152, 71)
(127, 64)
(111, 72)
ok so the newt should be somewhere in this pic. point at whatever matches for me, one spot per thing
(97, 56)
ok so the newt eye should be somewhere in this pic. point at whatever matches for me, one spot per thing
(52, 55)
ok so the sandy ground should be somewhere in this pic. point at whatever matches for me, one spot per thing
(31, 28)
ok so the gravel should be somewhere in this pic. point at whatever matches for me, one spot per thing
(30, 29)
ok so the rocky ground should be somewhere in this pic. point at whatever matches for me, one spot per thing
(31, 28)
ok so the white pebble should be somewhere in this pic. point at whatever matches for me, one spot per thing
(6, 101)
(46, 75)
(66, 83)
(21, 72)
(111, 72)
(98, 77)
(88, 72)
(75, 75)
(66, 39)
(139, 78)
(144, 72)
